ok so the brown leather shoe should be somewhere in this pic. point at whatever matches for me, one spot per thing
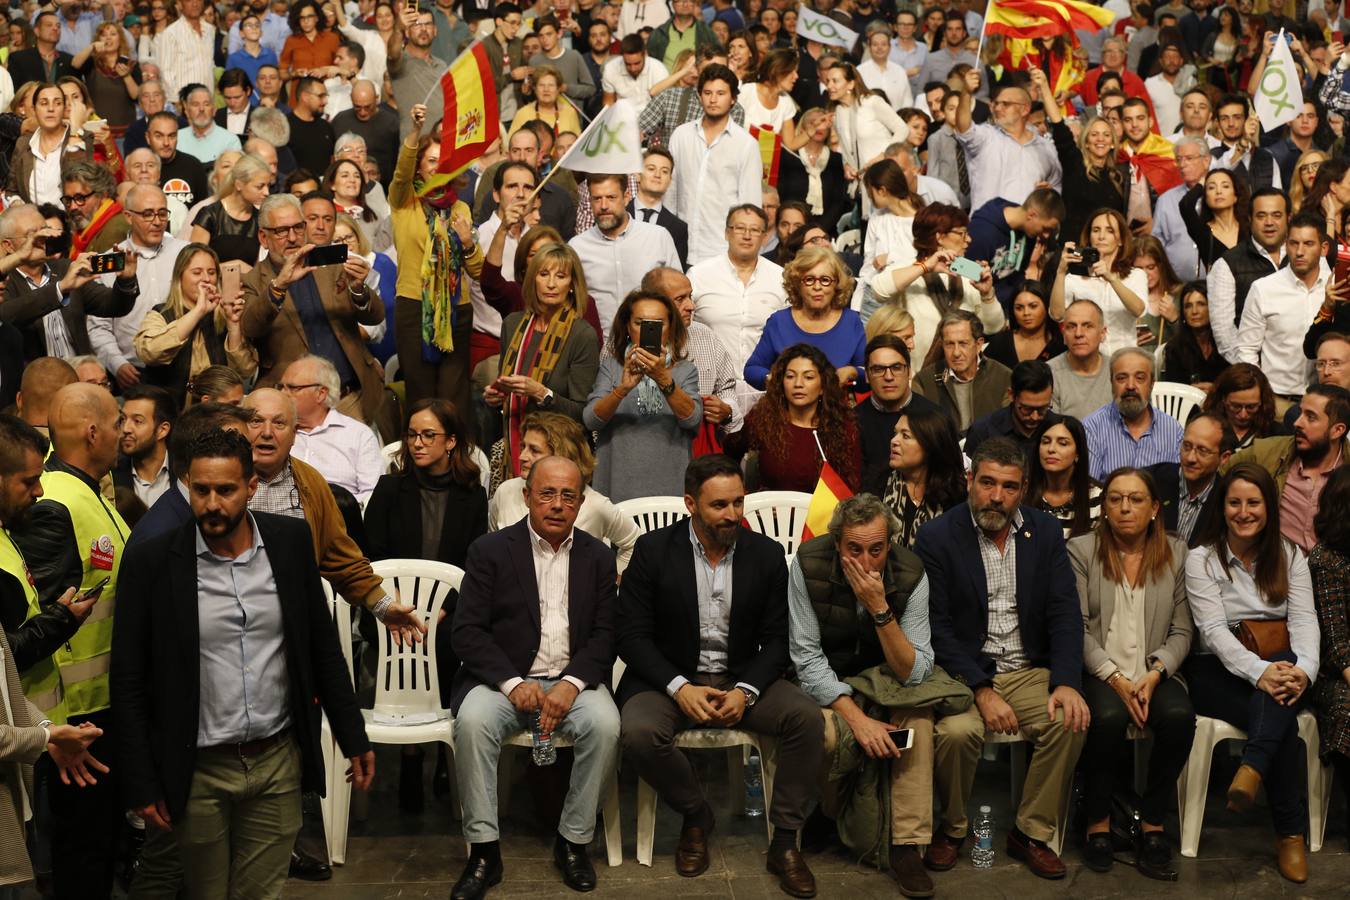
(691, 854)
(794, 877)
(1038, 856)
(943, 852)
(1292, 857)
(1242, 792)
(908, 871)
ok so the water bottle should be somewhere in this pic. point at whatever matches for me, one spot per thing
(754, 787)
(982, 854)
(543, 752)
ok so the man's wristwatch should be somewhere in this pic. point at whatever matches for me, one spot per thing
(882, 619)
(547, 401)
(749, 696)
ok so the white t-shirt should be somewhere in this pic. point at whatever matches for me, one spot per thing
(614, 79)
(759, 116)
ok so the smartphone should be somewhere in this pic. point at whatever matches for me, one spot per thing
(902, 738)
(1342, 269)
(231, 274)
(968, 269)
(58, 246)
(104, 263)
(410, 5)
(96, 590)
(1142, 333)
(327, 255)
(123, 60)
(649, 335)
(1338, 37)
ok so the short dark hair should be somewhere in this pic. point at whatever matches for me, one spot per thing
(719, 72)
(217, 443)
(1001, 451)
(1233, 100)
(1228, 437)
(1134, 101)
(500, 175)
(702, 469)
(886, 342)
(1338, 402)
(306, 82)
(162, 114)
(1031, 376)
(502, 10)
(1269, 191)
(357, 51)
(1309, 219)
(195, 421)
(658, 150)
(318, 194)
(17, 436)
(234, 78)
(1047, 202)
(549, 20)
(595, 179)
(166, 408)
(298, 176)
(748, 207)
(631, 44)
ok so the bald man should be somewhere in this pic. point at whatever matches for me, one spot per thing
(74, 538)
(42, 378)
(1006, 157)
(143, 167)
(373, 121)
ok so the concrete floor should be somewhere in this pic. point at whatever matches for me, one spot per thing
(395, 855)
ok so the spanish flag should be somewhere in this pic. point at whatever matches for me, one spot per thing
(471, 121)
(830, 490)
(1045, 18)
(770, 151)
(1156, 160)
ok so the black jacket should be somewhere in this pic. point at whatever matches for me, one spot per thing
(25, 308)
(679, 231)
(793, 182)
(155, 676)
(26, 65)
(394, 520)
(11, 364)
(659, 617)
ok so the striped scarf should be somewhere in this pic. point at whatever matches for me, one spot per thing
(442, 287)
(547, 351)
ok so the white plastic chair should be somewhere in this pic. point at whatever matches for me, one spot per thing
(1019, 743)
(651, 513)
(1193, 784)
(780, 515)
(391, 370)
(1177, 400)
(335, 805)
(391, 452)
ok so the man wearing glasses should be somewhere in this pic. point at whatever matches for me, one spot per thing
(87, 190)
(344, 450)
(1193, 159)
(1007, 157)
(888, 374)
(1033, 387)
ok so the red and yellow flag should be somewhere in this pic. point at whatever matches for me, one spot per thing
(471, 121)
(1156, 159)
(1045, 18)
(830, 490)
(770, 151)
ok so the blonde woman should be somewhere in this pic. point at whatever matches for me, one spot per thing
(892, 319)
(1305, 173)
(1092, 177)
(194, 328)
(549, 104)
(230, 225)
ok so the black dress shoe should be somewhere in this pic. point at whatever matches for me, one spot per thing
(575, 864)
(1153, 856)
(480, 873)
(307, 869)
(1098, 853)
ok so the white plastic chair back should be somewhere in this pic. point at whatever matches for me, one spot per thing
(780, 515)
(391, 453)
(405, 676)
(1177, 400)
(651, 513)
(391, 370)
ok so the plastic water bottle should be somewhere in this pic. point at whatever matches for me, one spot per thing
(982, 854)
(754, 787)
(543, 752)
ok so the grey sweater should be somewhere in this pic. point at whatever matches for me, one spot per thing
(574, 71)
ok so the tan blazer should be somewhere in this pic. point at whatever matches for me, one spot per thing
(21, 743)
(1168, 628)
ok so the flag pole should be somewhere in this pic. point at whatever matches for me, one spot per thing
(581, 139)
(437, 86)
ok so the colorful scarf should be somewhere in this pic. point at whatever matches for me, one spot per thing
(106, 212)
(547, 351)
(442, 287)
(650, 400)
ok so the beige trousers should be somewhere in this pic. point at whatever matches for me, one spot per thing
(911, 778)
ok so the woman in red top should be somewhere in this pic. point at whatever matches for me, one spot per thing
(311, 46)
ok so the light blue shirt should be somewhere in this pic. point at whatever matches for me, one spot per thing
(275, 30)
(1169, 228)
(245, 685)
(1110, 444)
(75, 38)
(207, 148)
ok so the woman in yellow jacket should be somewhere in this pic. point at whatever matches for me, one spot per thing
(437, 245)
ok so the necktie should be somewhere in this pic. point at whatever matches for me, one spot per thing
(647, 214)
(962, 175)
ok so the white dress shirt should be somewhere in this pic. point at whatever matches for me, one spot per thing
(186, 56)
(1221, 288)
(736, 311)
(345, 451)
(892, 80)
(552, 571)
(485, 318)
(614, 79)
(614, 266)
(1279, 310)
(1001, 167)
(709, 179)
(112, 338)
(1166, 103)
(44, 184)
(935, 190)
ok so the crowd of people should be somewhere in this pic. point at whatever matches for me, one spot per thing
(237, 298)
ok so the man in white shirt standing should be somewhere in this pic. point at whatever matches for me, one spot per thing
(148, 214)
(632, 74)
(717, 166)
(186, 49)
(1281, 307)
(343, 449)
(1163, 91)
(618, 250)
(880, 73)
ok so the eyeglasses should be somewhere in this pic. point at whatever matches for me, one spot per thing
(1242, 407)
(548, 495)
(1030, 412)
(895, 370)
(1202, 452)
(283, 230)
(818, 239)
(426, 437)
(747, 230)
(1114, 499)
(1329, 365)
(150, 215)
(296, 388)
(68, 199)
(822, 280)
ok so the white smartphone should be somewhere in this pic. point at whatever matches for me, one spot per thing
(903, 738)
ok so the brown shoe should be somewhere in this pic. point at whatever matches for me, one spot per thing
(691, 854)
(794, 877)
(1038, 856)
(943, 852)
(1292, 857)
(1242, 792)
(908, 871)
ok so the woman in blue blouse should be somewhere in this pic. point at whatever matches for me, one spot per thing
(819, 287)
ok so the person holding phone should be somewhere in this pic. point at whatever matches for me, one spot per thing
(1111, 280)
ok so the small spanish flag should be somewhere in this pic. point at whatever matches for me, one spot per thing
(471, 121)
(770, 150)
(830, 489)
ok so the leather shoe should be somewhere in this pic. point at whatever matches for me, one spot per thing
(1098, 854)
(794, 877)
(943, 852)
(1293, 858)
(908, 871)
(1242, 791)
(691, 854)
(307, 869)
(1040, 859)
(575, 864)
(1153, 856)
(480, 873)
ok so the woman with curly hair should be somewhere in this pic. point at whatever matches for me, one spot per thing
(1221, 223)
(801, 417)
(927, 474)
(1242, 397)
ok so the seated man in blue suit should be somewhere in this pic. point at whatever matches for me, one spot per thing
(1006, 621)
(534, 633)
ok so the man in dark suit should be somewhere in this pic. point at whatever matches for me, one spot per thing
(647, 206)
(1032, 388)
(223, 772)
(40, 287)
(43, 62)
(534, 632)
(704, 620)
(1185, 489)
(1006, 622)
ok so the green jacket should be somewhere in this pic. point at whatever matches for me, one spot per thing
(1276, 456)
(660, 38)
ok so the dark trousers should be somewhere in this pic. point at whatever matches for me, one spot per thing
(1273, 746)
(783, 713)
(1108, 751)
(86, 822)
(449, 378)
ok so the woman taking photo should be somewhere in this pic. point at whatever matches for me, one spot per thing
(866, 124)
(310, 46)
(927, 474)
(347, 183)
(1137, 631)
(1191, 356)
(1329, 566)
(1223, 218)
(549, 106)
(802, 416)
(194, 328)
(645, 404)
(1032, 334)
(1112, 282)
(768, 102)
(819, 287)
(1159, 319)
(549, 356)
(1244, 577)
(1058, 479)
(550, 434)
(1242, 396)
(230, 225)
(113, 85)
(815, 173)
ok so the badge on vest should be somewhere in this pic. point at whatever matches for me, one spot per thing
(101, 554)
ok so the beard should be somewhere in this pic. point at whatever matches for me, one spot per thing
(1316, 450)
(15, 518)
(991, 518)
(723, 536)
(1131, 405)
(215, 524)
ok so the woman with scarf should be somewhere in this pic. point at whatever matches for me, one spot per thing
(437, 245)
(815, 173)
(549, 354)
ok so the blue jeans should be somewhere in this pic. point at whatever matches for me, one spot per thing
(487, 718)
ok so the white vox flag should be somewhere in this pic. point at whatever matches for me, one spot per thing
(823, 29)
(609, 145)
(1279, 97)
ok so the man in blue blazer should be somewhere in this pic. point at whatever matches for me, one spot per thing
(1006, 621)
